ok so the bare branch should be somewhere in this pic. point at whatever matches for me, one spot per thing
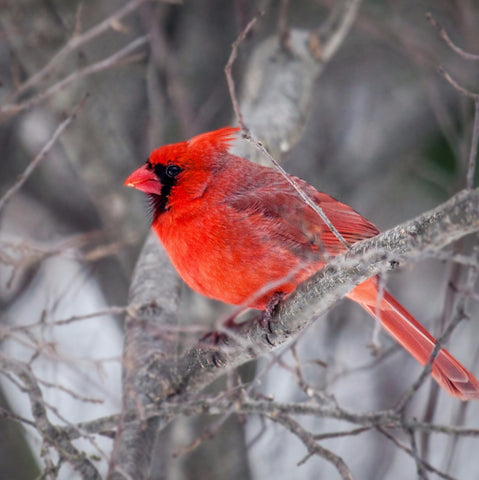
(118, 58)
(457, 86)
(283, 29)
(247, 132)
(52, 436)
(409, 451)
(142, 353)
(229, 69)
(77, 41)
(471, 166)
(313, 447)
(324, 51)
(243, 405)
(164, 62)
(74, 318)
(42, 154)
(300, 191)
(14, 417)
(444, 35)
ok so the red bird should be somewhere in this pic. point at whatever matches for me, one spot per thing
(233, 228)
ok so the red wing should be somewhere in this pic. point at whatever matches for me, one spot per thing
(297, 223)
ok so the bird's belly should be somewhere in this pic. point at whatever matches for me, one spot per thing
(245, 270)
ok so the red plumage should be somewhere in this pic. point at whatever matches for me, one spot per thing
(239, 232)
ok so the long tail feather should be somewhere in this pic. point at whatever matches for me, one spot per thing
(406, 330)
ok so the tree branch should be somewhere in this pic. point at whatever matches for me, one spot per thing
(118, 58)
(77, 41)
(244, 406)
(143, 347)
(52, 436)
(41, 155)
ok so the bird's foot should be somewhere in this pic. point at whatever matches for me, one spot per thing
(212, 340)
(267, 316)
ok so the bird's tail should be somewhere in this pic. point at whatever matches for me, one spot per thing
(406, 330)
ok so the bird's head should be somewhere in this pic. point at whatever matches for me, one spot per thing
(180, 172)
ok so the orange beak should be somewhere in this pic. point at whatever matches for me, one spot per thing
(145, 180)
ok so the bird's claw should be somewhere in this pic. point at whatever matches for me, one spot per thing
(213, 338)
(267, 316)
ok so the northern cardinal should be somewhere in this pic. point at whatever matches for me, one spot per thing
(233, 228)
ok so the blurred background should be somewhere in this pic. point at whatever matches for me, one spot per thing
(385, 133)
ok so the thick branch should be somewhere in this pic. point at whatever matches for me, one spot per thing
(155, 287)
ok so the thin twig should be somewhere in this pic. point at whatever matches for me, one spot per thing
(325, 51)
(406, 449)
(444, 35)
(43, 152)
(454, 257)
(165, 63)
(248, 136)
(248, 406)
(313, 447)
(450, 295)
(113, 310)
(421, 471)
(6, 415)
(52, 436)
(283, 30)
(298, 189)
(70, 392)
(459, 88)
(76, 42)
(348, 433)
(471, 166)
(229, 67)
(77, 25)
(115, 60)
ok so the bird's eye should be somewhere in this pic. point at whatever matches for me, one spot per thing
(172, 170)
